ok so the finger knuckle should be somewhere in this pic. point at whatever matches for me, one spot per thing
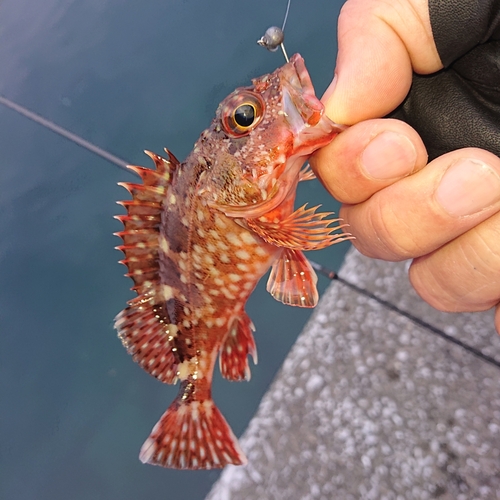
(396, 236)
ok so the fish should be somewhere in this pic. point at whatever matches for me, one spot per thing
(198, 236)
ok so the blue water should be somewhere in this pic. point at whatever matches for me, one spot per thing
(127, 76)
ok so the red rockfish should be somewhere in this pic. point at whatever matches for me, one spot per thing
(198, 237)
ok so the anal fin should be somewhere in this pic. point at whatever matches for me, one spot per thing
(192, 435)
(238, 344)
(293, 280)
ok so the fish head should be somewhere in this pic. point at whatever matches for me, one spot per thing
(259, 140)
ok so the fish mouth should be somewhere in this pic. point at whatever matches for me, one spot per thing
(303, 111)
(300, 105)
(311, 130)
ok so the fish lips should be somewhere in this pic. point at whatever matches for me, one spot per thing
(303, 111)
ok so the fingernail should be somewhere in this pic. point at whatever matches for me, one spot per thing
(467, 187)
(389, 155)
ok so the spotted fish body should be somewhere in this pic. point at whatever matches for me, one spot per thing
(200, 234)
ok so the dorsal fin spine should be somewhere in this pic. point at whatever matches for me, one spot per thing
(141, 223)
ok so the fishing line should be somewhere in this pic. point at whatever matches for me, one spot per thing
(414, 319)
(286, 15)
(64, 133)
(332, 275)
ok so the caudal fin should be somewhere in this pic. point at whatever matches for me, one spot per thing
(192, 435)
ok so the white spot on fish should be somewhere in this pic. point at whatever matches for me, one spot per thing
(260, 251)
(172, 329)
(214, 234)
(227, 294)
(233, 239)
(194, 410)
(242, 254)
(183, 370)
(247, 238)
(214, 271)
(164, 246)
(222, 246)
(219, 222)
(167, 292)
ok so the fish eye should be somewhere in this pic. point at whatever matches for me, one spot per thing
(244, 115)
(241, 113)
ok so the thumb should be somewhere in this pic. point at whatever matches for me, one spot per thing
(380, 44)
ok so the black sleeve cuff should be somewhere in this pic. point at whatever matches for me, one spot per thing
(459, 106)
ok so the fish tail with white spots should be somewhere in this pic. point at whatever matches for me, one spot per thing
(192, 435)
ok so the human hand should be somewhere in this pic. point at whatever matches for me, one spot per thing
(445, 214)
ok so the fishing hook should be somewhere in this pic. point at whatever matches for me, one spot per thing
(274, 37)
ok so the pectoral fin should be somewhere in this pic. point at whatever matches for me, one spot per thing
(303, 229)
(306, 174)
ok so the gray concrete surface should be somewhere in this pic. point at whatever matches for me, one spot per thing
(369, 405)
